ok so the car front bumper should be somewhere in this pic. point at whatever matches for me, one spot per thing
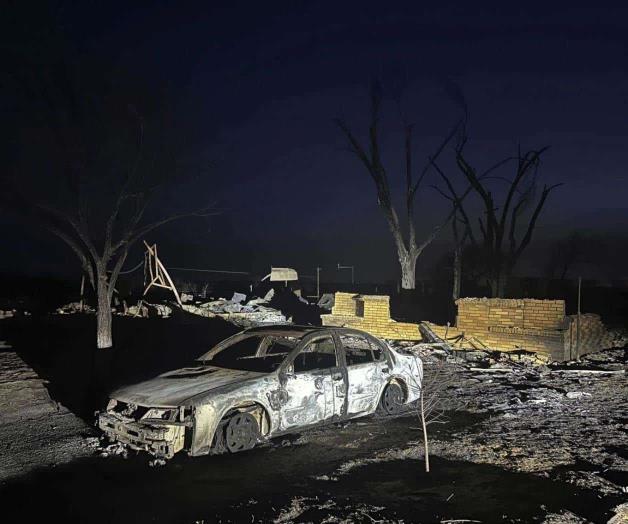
(160, 440)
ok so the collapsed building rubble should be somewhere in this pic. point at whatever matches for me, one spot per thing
(236, 310)
(326, 301)
(540, 418)
(74, 307)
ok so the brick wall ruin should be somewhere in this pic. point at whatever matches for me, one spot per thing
(535, 325)
(370, 313)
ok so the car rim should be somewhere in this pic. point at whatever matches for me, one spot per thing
(241, 432)
(392, 399)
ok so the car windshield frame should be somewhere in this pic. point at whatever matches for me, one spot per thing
(260, 360)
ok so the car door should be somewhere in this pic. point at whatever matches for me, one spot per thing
(366, 370)
(310, 383)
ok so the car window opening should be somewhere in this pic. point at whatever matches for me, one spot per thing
(359, 350)
(318, 354)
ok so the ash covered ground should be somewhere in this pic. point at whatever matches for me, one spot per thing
(528, 442)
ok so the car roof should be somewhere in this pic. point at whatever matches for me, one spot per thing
(296, 329)
(283, 328)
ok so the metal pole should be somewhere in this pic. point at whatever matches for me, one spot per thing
(578, 319)
(318, 282)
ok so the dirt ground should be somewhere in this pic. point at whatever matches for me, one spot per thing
(533, 444)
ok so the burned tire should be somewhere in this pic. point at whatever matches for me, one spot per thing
(241, 432)
(392, 399)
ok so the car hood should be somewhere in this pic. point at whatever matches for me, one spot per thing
(175, 387)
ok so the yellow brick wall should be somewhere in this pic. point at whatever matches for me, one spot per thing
(376, 319)
(508, 324)
(344, 304)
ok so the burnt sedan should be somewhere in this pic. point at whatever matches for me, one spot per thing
(261, 383)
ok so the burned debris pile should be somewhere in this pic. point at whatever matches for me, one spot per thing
(239, 311)
(563, 420)
(275, 307)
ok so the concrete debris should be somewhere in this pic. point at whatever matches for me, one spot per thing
(117, 449)
(326, 301)
(564, 517)
(93, 442)
(577, 394)
(74, 307)
(161, 310)
(245, 314)
(295, 510)
(158, 462)
(238, 298)
(145, 309)
(541, 418)
(186, 297)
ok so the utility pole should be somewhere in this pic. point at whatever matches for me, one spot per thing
(348, 267)
(318, 282)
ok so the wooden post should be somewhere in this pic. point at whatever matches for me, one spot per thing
(158, 275)
(318, 282)
(82, 291)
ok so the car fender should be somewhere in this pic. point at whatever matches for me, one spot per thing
(207, 415)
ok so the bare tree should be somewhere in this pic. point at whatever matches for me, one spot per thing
(95, 149)
(498, 227)
(404, 236)
(460, 219)
(437, 396)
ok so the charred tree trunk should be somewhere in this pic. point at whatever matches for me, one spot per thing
(457, 273)
(104, 338)
(408, 249)
(407, 261)
(498, 283)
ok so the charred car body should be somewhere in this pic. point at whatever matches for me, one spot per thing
(261, 383)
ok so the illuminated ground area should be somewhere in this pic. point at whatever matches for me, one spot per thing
(531, 445)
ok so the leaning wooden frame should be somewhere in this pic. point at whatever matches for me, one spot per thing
(156, 273)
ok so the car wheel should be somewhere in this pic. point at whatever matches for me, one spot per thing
(241, 432)
(392, 399)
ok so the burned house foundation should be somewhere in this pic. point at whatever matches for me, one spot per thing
(540, 326)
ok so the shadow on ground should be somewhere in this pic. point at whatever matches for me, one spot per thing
(61, 349)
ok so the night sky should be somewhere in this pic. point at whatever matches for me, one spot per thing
(252, 89)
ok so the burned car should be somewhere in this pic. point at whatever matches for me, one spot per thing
(261, 383)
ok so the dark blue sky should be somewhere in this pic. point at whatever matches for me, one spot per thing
(254, 87)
